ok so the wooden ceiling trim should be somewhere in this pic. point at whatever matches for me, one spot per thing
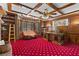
(68, 5)
(23, 5)
(18, 12)
(55, 8)
(24, 13)
(65, 6)
(34, 16)
(37, 6)
(67, 15)
(29, 8)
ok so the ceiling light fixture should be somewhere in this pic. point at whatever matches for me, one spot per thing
(46, 14)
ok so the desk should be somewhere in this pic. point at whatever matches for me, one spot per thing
(51, 36)
(57, 38)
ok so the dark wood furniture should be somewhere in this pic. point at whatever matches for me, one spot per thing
(50, 35)
(10, 18)
(54, 37)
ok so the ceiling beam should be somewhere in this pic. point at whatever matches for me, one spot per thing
(25, 14)
(37, 6)
(67, 15)
(18, 12)
(34, 16)
(22, 5)
(29, 8)
(55, 7)
(65, 6)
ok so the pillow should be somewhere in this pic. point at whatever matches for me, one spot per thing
(29, 33)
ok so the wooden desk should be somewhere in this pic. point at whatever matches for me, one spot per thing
(51, 36)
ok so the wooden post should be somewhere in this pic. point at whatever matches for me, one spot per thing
(9, 6)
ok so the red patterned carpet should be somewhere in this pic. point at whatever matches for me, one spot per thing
(41, 47)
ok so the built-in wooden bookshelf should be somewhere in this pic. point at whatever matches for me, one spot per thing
(9, 18)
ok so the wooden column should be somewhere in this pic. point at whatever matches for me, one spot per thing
(9, 6)
(34, 26)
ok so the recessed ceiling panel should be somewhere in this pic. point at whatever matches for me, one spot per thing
(71, 8)
(25, 10)
(20, 9)
(60, 4)
(32, 5)
(45, 6)
(16, 8)
(4, 6)
(35, 13)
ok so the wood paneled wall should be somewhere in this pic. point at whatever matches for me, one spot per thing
(73, 29)
(74, 20)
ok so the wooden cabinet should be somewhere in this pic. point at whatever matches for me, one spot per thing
(74, 38)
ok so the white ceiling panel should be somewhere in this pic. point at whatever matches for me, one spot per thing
(60, 4)
(32, 5)
(25, 10)
(16, 8)
(71, 8)
(45, 6)
(4, 6)
(35, 13)
(20, 9)
(57, 14)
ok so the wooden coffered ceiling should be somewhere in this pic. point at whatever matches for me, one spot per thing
(36, 10)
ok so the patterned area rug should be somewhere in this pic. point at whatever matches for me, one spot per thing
(41, 47)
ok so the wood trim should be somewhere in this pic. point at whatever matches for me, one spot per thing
(54, 7)
(9, 6)
(18, 12)
(11, 12)
(30, 21)
(27, 7)
(34, 16)
(67, 15)
(58, 9)
(37, 6)
(23, 5)
(65, 6)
